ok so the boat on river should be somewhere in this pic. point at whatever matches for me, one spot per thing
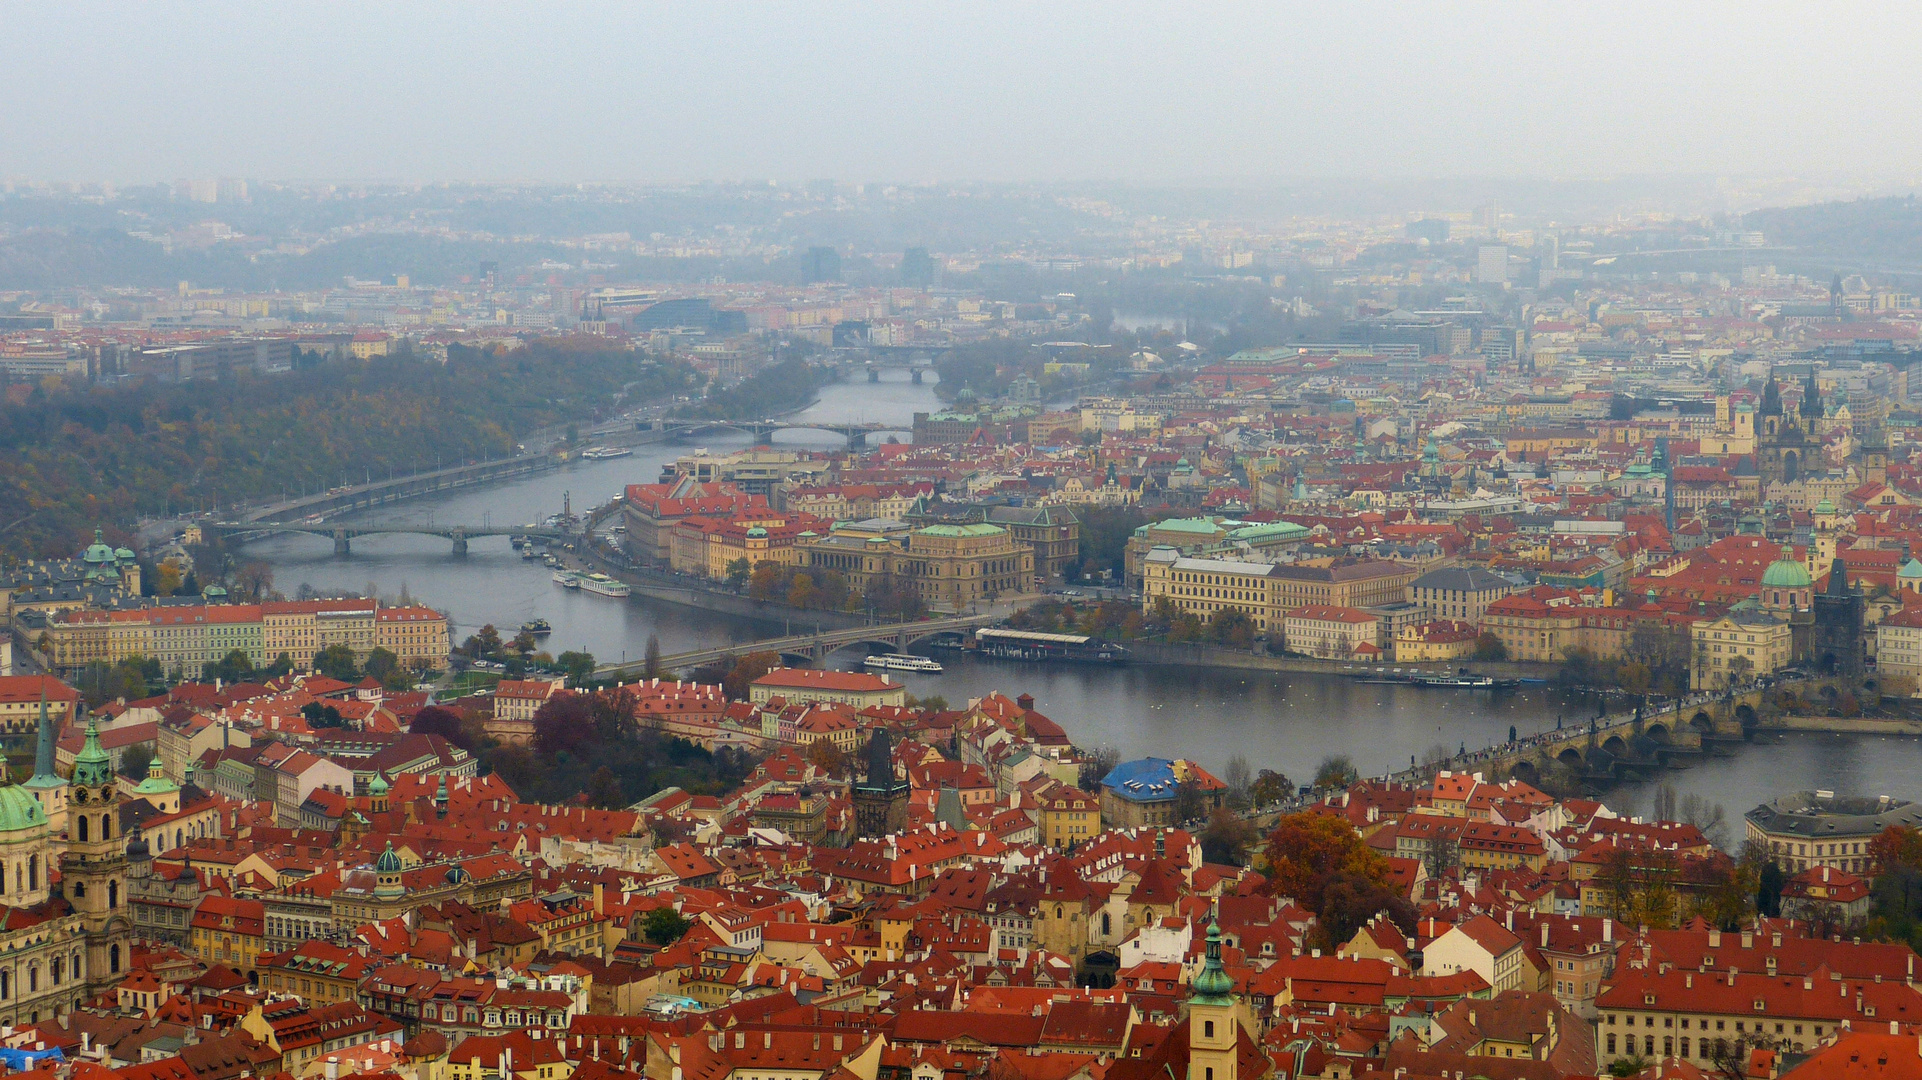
(567, 579)
(537, 627)
(902, 662)
(602, 585)
(1035, 645)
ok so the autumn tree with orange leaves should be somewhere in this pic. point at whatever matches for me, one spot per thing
(1322, 863)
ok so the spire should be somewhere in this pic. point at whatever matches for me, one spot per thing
(43, 751)
(1213, 986)
(91, 766)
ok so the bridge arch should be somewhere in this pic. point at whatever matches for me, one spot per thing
(1745, 714)
(1570, 756)
(1658, 732)
(1526, 772)
(1702, 722)
(1616, 745)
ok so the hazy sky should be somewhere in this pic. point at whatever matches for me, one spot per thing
(915, 90)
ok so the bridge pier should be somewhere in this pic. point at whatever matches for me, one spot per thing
(874, 375)
(341, 545)
(857, 439)
(917, 377)
(460, 542)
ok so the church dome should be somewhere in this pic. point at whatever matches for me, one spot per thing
(388, 863)
(19, 810)
(378, 785)
(1825, 507)
(1786, 573)
(156, 784)
(1911, 571)
(97, 552)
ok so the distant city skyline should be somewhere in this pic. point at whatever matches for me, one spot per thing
(1134, 93)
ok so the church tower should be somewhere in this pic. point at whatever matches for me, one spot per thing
(93, 869)
(880, 800)
(45, 784)
(1214, 1028)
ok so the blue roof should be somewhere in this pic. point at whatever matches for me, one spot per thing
(1146, 780)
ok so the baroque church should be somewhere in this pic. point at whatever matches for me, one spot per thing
(60, 947)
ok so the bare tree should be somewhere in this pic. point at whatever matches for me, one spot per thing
(1237, 776)
(1665, 803)
(1706, 816)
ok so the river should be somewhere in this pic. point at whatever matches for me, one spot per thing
(1283, 722)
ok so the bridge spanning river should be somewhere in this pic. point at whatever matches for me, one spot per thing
(895, 636)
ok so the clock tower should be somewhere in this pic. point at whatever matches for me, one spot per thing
(93, 869)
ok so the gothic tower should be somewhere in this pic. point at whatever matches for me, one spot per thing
(1214, 1029)
(880, 800)
(93, 869)
(1838, 625)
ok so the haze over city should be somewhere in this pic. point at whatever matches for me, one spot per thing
(960, 542)
(1001, 92)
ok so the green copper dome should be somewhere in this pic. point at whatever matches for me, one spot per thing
(99, 551)
(1825, 507)
(377, 786)
(1213, 986)
(1786, 573)
(388, 863)
(19, 810)
(1910, 570)
(156, 783)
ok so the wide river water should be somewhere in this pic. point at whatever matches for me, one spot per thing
(1283, 722)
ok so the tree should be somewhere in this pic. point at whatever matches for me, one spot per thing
(322, 716)
(283, 665)
(135, 759)
(253, 580)
(1232, 628)
(1709, 817)
(604, 790)
(444, 722)
(483, 644)
(1729, 1057)
(800, 591)
(337, 662)
(664, 926)
(1768, 890)
(564, 724)
(1095, 765)
(1322, 863)
(1236, 777)
(1488, 647)
(232, 668)
(166, 579)
(1190, 801)
(738, 572)
(651, 660)
(1444, 854)
(1228, 838)
(745, 670)
(1336, 771)
(1269, 788)
(578, 666)
(827, 757)
(381, 663)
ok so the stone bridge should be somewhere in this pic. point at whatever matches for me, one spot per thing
(1613, 746)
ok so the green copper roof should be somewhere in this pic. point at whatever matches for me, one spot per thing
(962, 530)
(1910, 569)
(388, 863)
(19, 810)
(91, 766)
(156, 782)
(378, 785)
(1786, 573)
(1212, 986)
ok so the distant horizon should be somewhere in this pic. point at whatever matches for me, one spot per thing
(997, 91)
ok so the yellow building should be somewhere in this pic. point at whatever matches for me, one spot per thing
(951, 566)
(1737, 647)
(1439, 641)
(187, 637)
(1069, 816)
(1266, 592)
